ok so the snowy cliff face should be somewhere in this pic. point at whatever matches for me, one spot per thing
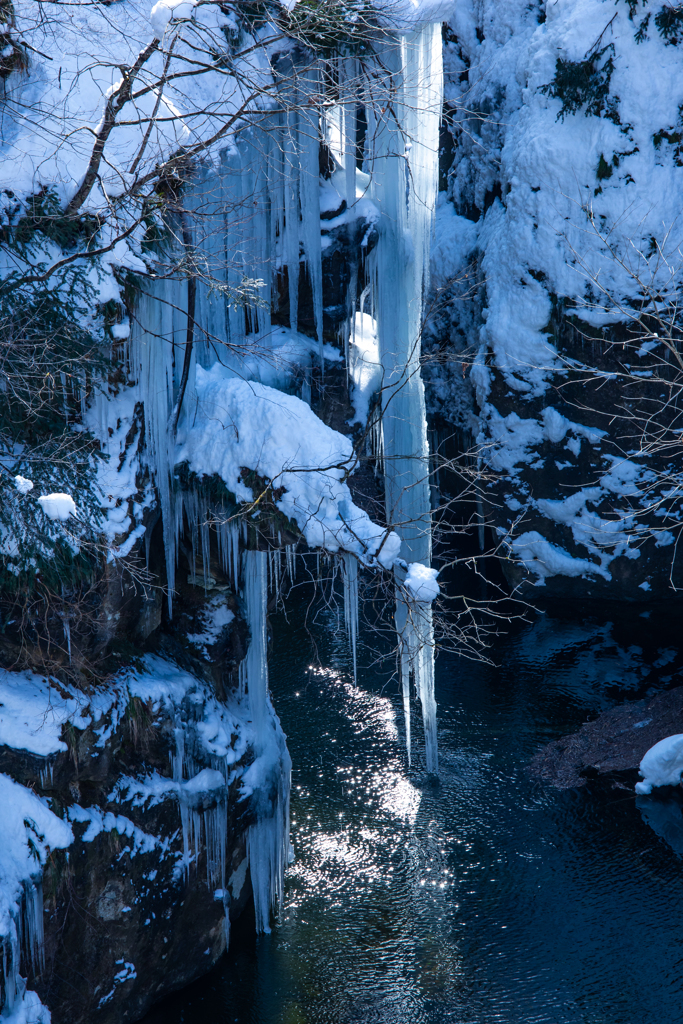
(562, 224)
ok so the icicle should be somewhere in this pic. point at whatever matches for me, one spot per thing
(190, 820)
(350, 578)
(309, 144)
(228, 548)
(291, 187)
(216, 832)
(155, 330)
(33, 922)
(268, 839)
(404, 165)
(25, 929)
(67, 635)
(349, 88)
(206, 545)
(255, 596)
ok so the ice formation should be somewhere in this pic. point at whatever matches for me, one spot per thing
(238, 424)
(269, 776)
(404, 185)
(231, 419)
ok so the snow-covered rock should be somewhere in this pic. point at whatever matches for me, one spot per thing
(562, 196)
(144, 784)
(239, 424)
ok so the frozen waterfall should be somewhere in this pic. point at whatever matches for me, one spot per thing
(253, 218)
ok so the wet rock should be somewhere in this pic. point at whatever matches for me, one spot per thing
(615, 741)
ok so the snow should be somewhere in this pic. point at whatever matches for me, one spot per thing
(127, 973)
(662, 764)
(205, 781)
(166, 10)
(274, 358)
(216, 616)
(455, 237)
(58, 506)
(113, 417)
(557, 240)
(365, 367)
(240, 424)
(33, 711)
(546, 559)
(99, 821)
(421, 582)
(29, 832)
(507, 440)
(23, 485)
(51, 115)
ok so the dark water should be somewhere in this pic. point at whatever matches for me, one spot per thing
(486, 897)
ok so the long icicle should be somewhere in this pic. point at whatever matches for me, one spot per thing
(404, 165)
(268, 839)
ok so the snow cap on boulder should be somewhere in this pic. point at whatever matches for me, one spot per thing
(662, 764)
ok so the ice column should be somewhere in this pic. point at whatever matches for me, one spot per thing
(309, 145)
(404, 177)
(157, 335)
(350, 580)
(267, 839)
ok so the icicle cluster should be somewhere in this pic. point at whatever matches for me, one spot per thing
(255, 213)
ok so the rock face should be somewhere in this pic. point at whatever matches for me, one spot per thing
(126, 918)
(548, 264)
(616, 741)
(148, 771)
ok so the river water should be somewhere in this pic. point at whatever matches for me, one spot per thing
(486, 896)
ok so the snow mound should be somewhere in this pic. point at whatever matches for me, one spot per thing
(33, 711)
(240, 424)
(662, 764)
(422, 583)
(546, 559)
(167, 10)
(58, 506)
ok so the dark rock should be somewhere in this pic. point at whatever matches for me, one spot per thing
(616, 741)
(127, 918)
